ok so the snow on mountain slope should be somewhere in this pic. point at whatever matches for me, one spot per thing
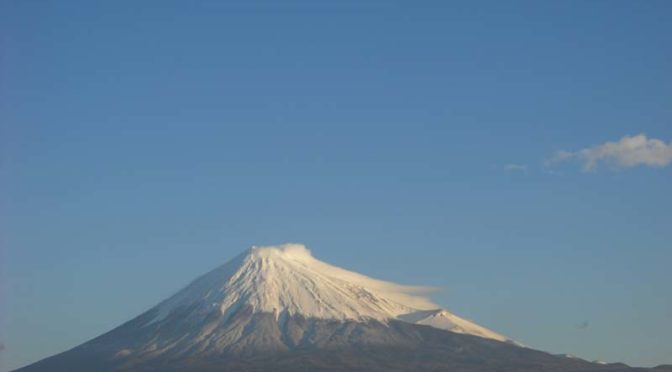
(443, 319)
(278, 308)
(287, 280)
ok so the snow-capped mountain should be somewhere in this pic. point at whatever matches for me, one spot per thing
(278, 308)
(287, 280)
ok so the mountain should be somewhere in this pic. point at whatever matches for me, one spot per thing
(278, 308)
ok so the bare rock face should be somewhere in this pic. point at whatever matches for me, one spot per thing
(278, 308)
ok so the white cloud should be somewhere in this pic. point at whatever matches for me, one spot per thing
(516, 167)
(626, 153)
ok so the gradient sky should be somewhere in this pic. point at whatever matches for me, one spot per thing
(144, 143)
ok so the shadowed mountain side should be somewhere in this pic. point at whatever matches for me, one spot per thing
(266, 343)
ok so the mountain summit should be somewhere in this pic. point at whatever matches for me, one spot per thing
(279, 308)
(286, 280)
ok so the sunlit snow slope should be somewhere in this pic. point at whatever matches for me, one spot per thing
(286, 280)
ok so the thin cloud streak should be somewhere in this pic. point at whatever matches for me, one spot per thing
(516, 167)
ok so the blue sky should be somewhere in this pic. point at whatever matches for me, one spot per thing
(145, 143)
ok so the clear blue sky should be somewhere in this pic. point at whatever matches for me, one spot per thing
(144, 143)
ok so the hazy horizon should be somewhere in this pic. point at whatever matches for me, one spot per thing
(518, 156)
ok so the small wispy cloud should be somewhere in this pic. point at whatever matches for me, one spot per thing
(628, 152)
(515, 167)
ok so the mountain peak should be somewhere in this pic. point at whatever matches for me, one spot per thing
(279, 308)
(286, 280)
(276, 299)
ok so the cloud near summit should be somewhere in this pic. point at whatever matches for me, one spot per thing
(628, 152)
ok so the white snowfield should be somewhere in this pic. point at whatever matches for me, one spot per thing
(286, 280)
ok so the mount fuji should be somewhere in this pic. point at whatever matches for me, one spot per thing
(277, 308)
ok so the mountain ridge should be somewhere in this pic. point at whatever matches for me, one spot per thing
(278, 305)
